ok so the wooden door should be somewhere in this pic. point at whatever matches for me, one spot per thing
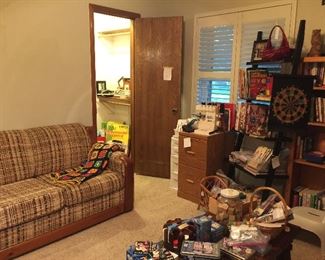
(156, 104)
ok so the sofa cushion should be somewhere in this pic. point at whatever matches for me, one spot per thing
(106, 183)
(35, 151)
(58, 147)
(26, 200)
(16, 156)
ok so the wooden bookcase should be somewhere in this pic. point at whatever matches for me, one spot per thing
(304, 173)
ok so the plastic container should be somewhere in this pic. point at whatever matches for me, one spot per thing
(232, 205)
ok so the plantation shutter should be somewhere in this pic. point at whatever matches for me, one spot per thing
(215, 60)
(223, 43)
(215, 50)
(249, 34)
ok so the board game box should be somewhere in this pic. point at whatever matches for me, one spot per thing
(199, 249)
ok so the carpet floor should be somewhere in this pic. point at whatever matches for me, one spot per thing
(155, 203)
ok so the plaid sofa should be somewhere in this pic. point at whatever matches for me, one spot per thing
(33, 209)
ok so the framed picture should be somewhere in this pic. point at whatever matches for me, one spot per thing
(258, 47)
(100, 86)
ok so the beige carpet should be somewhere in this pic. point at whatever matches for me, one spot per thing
(155, 203)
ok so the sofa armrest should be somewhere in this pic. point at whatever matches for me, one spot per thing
(120, 162)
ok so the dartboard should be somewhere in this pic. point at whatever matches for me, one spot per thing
(290, 104)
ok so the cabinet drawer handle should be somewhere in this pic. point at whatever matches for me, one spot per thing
(190, 181)
(190, 152)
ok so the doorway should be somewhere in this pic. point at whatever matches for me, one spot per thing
(111, 47)
(154, 86)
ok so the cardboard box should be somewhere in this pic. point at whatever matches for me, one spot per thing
(117, 132)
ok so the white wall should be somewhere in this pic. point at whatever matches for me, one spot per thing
(45, 56)
(112, 59)
(44, 63)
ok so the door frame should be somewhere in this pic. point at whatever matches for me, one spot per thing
(123, 14)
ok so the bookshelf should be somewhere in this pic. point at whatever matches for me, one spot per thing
(315, 66)
(305, 173)
(255, 87)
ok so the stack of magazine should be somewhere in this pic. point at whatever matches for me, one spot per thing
(200, 250)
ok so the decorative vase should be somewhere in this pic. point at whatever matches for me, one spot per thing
(315, 43)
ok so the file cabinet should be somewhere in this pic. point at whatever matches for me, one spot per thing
(202, 155)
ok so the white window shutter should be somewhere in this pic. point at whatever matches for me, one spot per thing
(249, 34)
(215, 55)
(215, 51)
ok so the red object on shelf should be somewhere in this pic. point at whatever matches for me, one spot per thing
(101, 139)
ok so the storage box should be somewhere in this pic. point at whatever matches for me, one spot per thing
(117, 132)
(216, 208)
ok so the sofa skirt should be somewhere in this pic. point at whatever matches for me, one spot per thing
(23, 232)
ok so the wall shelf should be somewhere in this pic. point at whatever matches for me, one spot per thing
(114, 32)
(259, 175)
(304, 162)
(315, 59)
(322, 88)
(316, 124)
(115, 100)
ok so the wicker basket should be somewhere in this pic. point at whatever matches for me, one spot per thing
(272, 229)
(206, 185)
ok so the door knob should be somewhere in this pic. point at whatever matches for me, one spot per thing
(174, 109)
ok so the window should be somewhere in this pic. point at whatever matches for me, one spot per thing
(249, 33)
(223, 43)
(215, 55)
(213, 90)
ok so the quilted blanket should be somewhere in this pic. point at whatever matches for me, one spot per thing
(98, 159)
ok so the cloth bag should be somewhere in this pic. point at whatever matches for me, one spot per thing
(270, 53)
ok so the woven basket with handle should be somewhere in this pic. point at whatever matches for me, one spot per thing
(206, 184)
(272, 229)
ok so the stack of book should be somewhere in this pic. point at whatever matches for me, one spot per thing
(255, 84)
(260, 160)
(304, 144)
(306, 197)
(317, 110)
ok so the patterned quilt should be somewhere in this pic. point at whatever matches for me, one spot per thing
(98, 159)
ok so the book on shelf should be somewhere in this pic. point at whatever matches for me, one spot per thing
(230, 115)
(256, 82)
(304, 144)
(252, 119)
(243, 90)
(317, 111)
(241, 116)
(306, 197)
(256, 120)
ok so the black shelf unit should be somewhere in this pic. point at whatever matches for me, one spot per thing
(277, 140)
(270, 175)
(258, 63)
(260, 175)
